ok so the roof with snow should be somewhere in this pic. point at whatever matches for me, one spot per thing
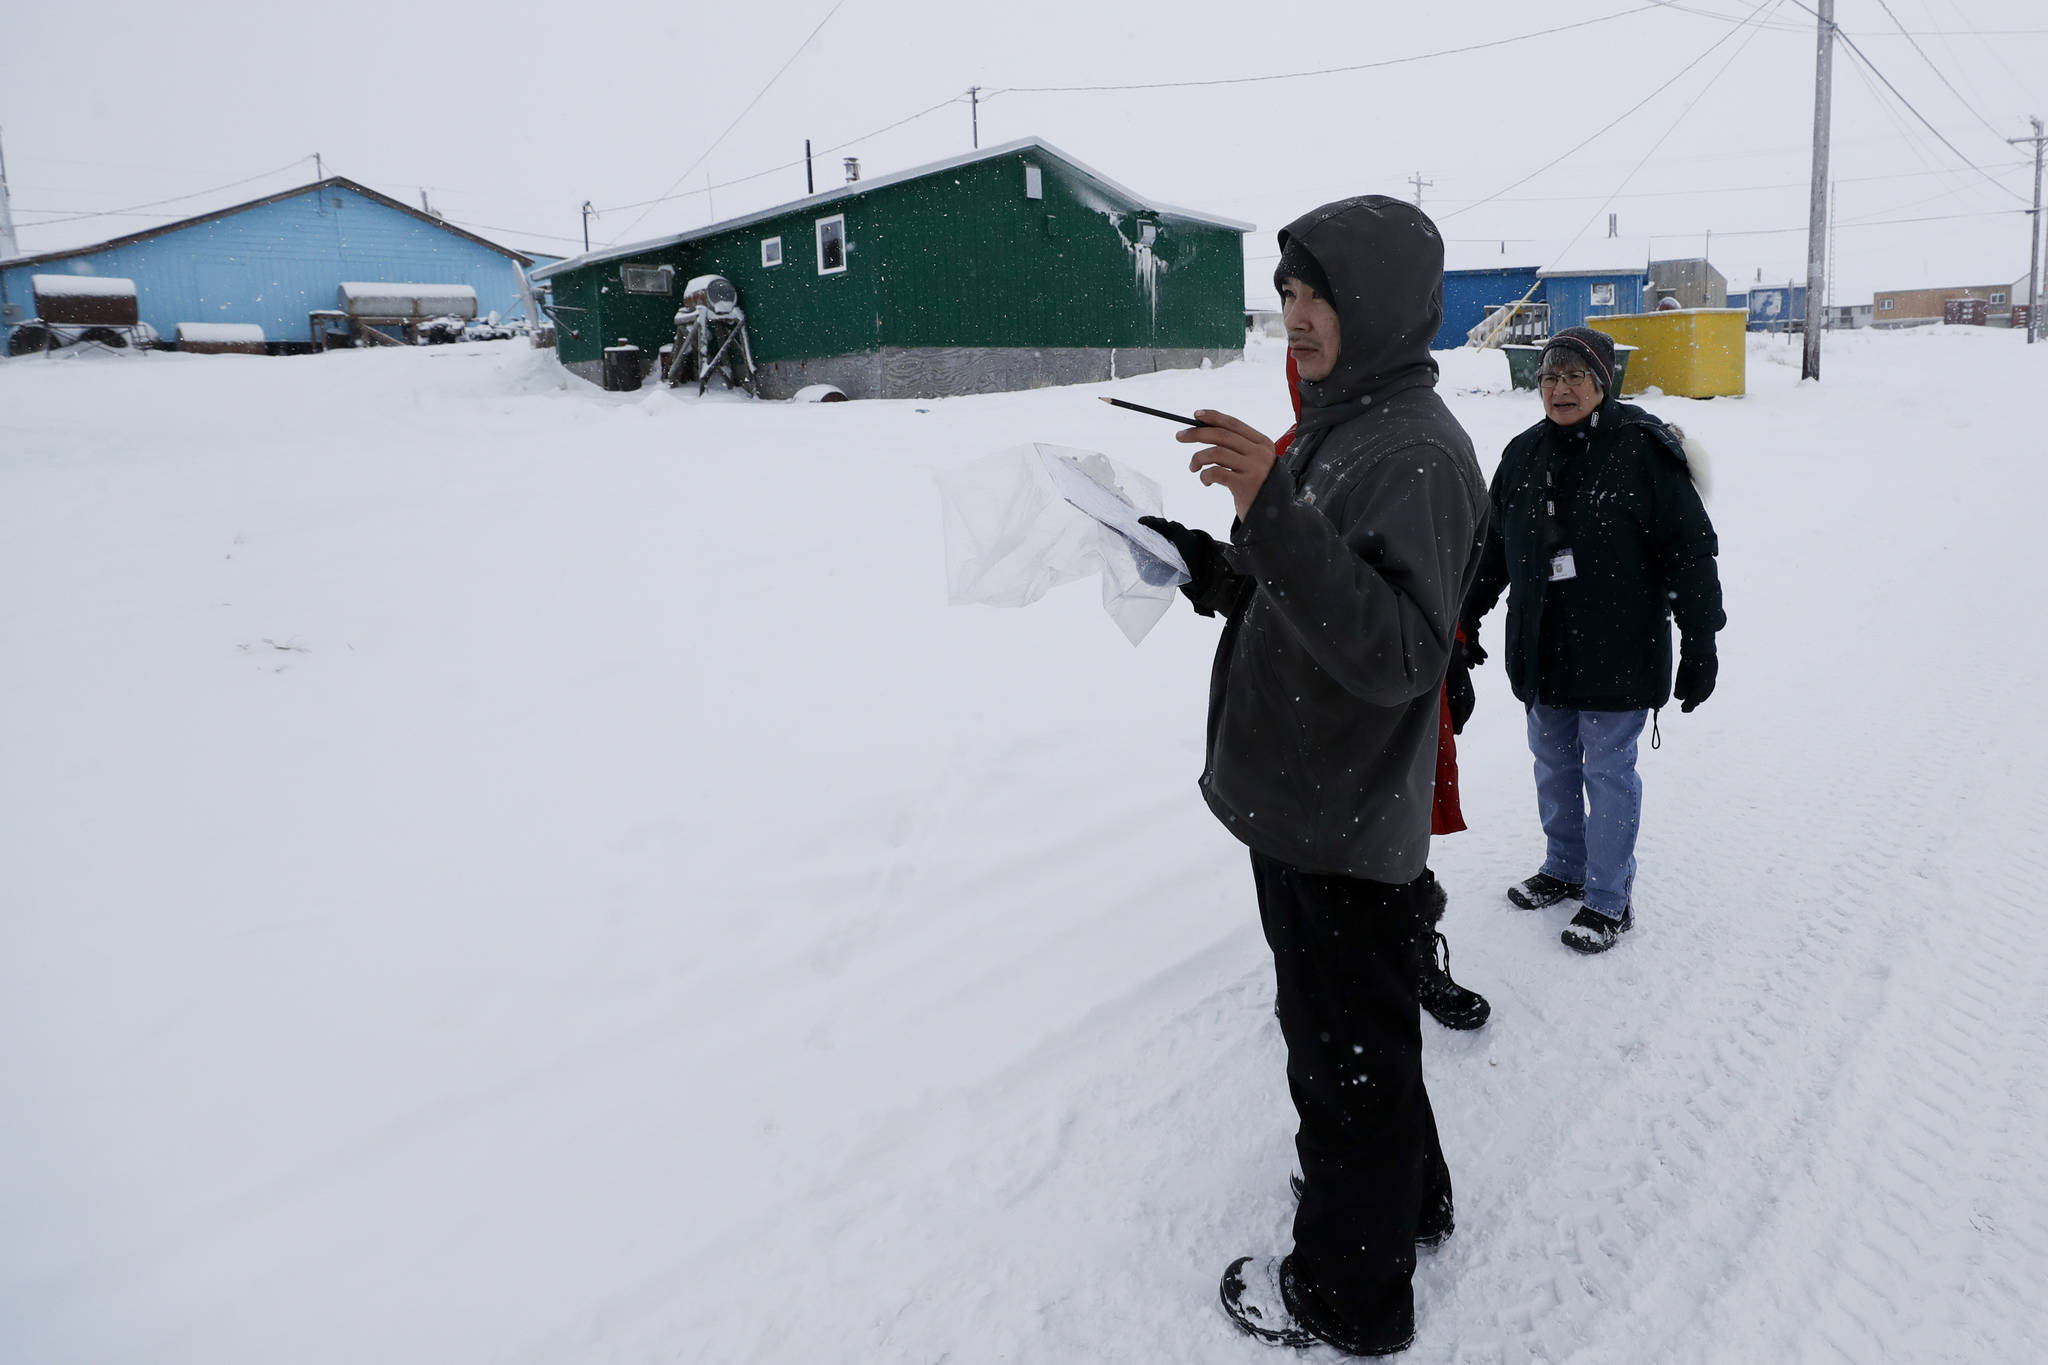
(331, 181)
(1468, 257)
(860, 187)
(1600, 256)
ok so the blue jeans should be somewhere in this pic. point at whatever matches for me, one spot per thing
(1589, 798)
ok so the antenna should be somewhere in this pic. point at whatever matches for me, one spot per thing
(8, 246)
(1420, 185)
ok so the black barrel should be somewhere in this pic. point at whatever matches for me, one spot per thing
(622, 367)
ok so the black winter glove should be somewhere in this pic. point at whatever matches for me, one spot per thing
(1695, 680)
(1198, 549)
(1466, 653)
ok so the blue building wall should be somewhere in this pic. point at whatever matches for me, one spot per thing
(273, 263)
(1571, 298)
(1468, 294)
(1775, 307)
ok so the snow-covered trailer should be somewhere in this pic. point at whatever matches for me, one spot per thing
(366, 306)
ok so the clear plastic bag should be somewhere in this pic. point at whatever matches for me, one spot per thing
(1014, 532)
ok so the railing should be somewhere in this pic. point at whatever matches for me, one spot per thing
(1512, 324)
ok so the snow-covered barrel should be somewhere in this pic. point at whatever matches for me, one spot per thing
(715, 292)
(371, 299)
(86, 300)
(222, 338)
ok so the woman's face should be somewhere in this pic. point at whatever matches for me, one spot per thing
(1312, 331)
(1570, 390)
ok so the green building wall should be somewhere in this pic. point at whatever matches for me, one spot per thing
(958, 262)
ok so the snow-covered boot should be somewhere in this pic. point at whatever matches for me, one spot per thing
(1544, 890)
(1447, 1002)
(1592, 932)
(1265, 1300)
(1251, 1297)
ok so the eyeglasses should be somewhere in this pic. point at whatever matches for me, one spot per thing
(1550, 379)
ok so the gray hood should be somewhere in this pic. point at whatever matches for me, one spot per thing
(1385, 263)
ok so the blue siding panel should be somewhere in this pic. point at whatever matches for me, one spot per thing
(273, 263)
(1571, 298)
(1469, 294)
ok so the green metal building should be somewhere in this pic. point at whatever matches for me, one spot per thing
(1010, 268)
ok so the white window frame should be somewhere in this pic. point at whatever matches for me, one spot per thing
(1603, 295)
(1885, 305)
(819, 233)
(771, 252)
(667, 273)
(1034, 182)
(1998, 297)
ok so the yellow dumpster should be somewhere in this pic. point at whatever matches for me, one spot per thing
(1686, 352)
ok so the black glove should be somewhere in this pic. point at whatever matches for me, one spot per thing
(1466, 653)
(1695, 680)
(1199, 550)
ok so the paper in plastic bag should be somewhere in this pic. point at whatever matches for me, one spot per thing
(1025, 520)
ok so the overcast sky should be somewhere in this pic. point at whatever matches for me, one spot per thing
(512, 114)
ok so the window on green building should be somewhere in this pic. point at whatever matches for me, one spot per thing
(648, 279)
(832, 244)
(771, 251)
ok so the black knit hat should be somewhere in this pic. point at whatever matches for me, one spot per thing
(1297, 264)
(1596, 348)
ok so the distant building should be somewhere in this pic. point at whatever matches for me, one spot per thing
(1694, 282)
(1479, 280)
(1776, 307)
(1009, 268)
(1924, 307)
(1848, 317)
(274, 260)
(1595, 279)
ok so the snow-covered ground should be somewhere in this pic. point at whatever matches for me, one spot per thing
(497, 871)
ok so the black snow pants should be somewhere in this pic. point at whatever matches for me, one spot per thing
(1373, 1173)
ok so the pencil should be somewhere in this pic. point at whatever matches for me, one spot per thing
(1153, 412)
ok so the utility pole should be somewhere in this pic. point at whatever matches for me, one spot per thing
(1817, 207)
(974, 112)
(1420, 185)
(11, 248)
(2034, 218)
(810, 185)
(587, 211)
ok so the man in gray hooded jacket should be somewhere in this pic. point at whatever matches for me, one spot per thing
(1341, 587)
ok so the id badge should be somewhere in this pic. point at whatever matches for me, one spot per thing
(1561, 567)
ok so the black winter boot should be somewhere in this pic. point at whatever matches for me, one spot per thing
(1592, 932)
(1543, 890)
(1447, 1002)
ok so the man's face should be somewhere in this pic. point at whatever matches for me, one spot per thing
(1570, 389)
(1312, 333)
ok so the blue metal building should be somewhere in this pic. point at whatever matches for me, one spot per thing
(1470, 294)
(1605, 277)
(272, 261)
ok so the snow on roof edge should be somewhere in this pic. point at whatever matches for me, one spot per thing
(880, 182)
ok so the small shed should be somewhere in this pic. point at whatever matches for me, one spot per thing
(1012, 267)
(1590, 280)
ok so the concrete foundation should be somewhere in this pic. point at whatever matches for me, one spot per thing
(939, 372)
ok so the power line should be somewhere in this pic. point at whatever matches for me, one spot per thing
(1886, 7)
(1600, 131)
(1321, 71)
(136, 210)
(791, 165)
(758, 96)
(1857, 52)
